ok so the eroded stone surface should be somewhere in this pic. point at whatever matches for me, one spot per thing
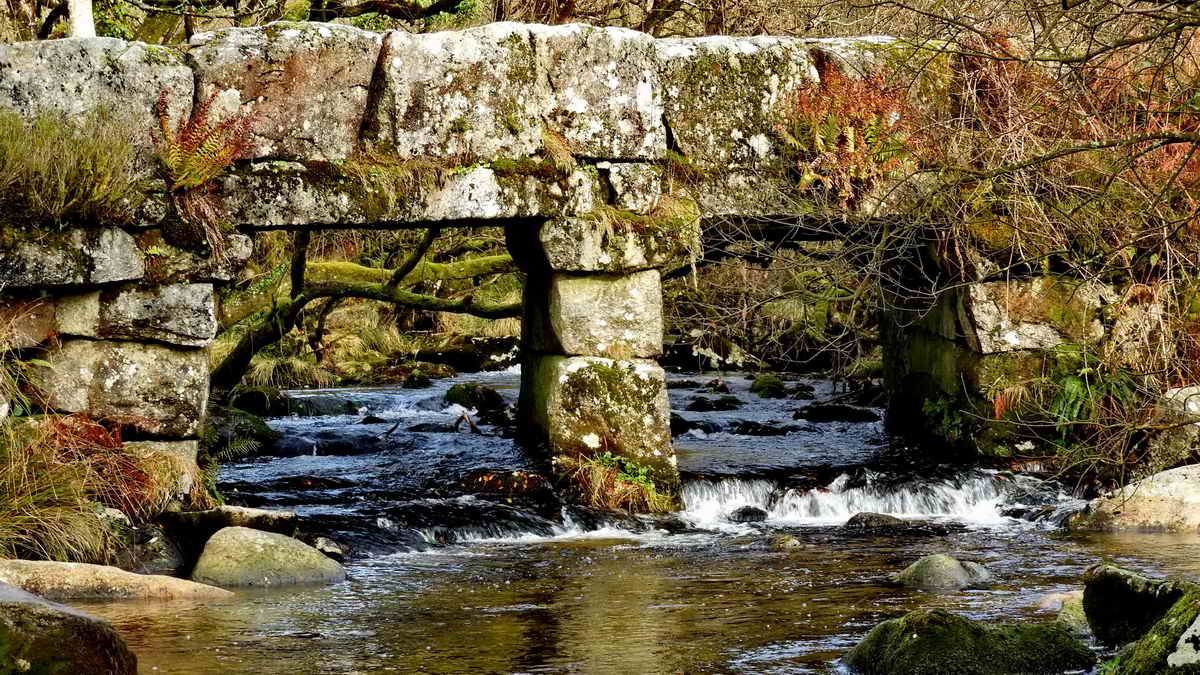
(40, 636)
(1167, 501)
(180, 314)
(155, 390)
(612, 316)
(79, 581)
(240, 557)
(73, 76)
(1037, 313)
(306, 84)
(27, 323)
(586, 405)
(71, 258)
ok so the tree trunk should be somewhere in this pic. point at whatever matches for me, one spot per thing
(79, 21)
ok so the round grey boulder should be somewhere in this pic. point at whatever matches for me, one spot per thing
(240, 557)
(875, 521)
(940, 572)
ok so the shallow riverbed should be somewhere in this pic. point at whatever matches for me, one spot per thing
(446, 581)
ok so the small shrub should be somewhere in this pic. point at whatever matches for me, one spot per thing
(606, 481)
(59, 170)
(844, 133)
(192, 155)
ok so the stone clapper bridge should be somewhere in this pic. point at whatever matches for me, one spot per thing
(134, 327)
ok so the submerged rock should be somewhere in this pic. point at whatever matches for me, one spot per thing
(940, 572)
(705, 404)
(836, 412)
(752, 428)
(79, 581)
(935, 642)
(681, 425)
(748, 514)
(239, 557)
(785, 542)
(46, 638)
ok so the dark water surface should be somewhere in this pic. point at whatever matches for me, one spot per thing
(449, 581)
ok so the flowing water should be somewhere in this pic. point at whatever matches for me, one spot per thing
(451, 574)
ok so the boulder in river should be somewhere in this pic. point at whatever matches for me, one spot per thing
(768, 386)
(752, 428)
(43, 637)
(1160, 618)
(191, 529)
(79, 581)
(681, 425)
(239, 556)
(933, 642)
(721, 404)
(1168, 501)
(940, 572)
(875, 521)
(748, 514)
(836, 412)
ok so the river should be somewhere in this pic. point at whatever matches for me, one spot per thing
(446, 578)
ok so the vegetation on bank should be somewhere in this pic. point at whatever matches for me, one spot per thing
(54, 169)
(58, 474)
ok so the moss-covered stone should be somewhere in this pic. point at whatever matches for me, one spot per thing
(584, 406)
(769, 386)
(935, 642)
(1121, 605)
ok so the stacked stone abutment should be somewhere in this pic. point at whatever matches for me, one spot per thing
(132, 312)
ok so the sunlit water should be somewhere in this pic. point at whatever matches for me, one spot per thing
(450, 582)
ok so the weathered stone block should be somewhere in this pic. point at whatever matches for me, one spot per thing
(168, 264)
(155, 390)
(305, 83)
(606, 97)
(597, 244)
(490, 91)
(636, 187)
(179, 314)
(71, 258)
(1037, 313)
(477, 92)
(75, 75)
(586, 405)
(271, 195)
(613, 316)
(723, 94)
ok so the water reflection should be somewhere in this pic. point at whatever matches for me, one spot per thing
(652, 605)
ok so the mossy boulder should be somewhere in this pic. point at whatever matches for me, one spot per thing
(940, 572)
(769, 386)
(1160, 618)
(935, 642)
(1122, 605)
(582, 406)
(39, 637)
(239, 557)
(475, 396)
